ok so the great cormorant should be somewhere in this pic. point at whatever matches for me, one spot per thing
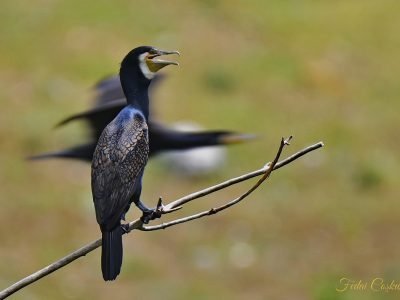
(110, 100)
(121, 155)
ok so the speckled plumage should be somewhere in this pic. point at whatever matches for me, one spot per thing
(117, 167)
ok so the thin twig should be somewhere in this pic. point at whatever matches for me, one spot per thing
(247, 176)
(216, 210)
(137, 224)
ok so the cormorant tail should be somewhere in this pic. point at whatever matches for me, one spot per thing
(234, 137)
(164, 139)
(111, 253)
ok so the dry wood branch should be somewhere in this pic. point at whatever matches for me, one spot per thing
(213, 211)
(169, 208)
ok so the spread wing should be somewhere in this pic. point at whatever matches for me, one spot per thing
(118, 163)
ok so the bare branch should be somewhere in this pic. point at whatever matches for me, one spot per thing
(169, 208)
(212, 211)
(247, 176)
(49, 269)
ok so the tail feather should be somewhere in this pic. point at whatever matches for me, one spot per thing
(111, 253)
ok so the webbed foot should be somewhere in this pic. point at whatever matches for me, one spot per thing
(151, 214)
(125, 228)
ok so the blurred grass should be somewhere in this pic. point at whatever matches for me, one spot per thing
(320, 70)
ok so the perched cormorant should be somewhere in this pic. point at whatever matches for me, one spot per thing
(110, 101)
(121, 155)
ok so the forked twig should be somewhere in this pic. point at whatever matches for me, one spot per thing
(169, 208)
(212, 211)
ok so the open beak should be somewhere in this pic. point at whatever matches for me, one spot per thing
(155, 64)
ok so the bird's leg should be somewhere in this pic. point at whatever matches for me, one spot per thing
(124, 213)
(148, 213)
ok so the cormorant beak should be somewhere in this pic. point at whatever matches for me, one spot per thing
(157, 64)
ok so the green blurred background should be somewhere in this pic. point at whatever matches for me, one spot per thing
(319, 70)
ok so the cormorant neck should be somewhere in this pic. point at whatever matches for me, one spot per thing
(135, 88)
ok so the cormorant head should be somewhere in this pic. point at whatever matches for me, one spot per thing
(145, 60)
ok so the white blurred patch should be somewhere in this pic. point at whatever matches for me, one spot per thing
(242, 255)
(197, 161)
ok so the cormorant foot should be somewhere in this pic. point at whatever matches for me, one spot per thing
(147, 216)
(125, 228)
(150, 215)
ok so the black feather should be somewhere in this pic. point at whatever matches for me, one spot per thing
(111, 253)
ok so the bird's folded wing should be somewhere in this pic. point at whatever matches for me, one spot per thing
(118, 161)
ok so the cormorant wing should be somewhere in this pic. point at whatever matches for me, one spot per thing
(109, 101)
(98, 117)
(109, 89)
(82, 152)
(118, 162)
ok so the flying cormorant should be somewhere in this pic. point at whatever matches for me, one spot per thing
(110, 100)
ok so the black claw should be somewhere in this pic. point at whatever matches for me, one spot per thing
(150, 215)
(147, 216)
(125, 228)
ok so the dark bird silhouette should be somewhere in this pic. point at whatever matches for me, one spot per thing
(110, 100)
(121, 155)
